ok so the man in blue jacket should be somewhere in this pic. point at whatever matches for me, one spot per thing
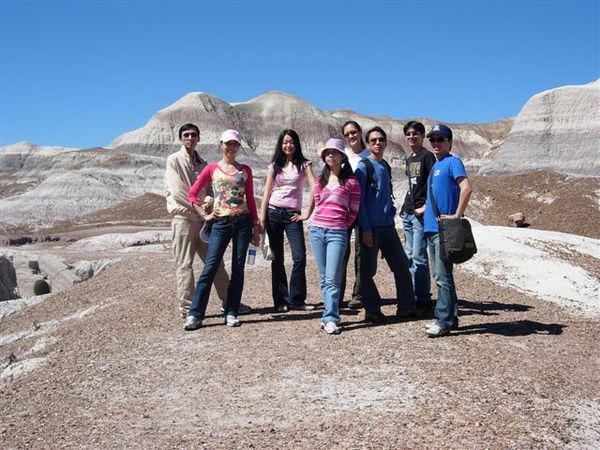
(451, 190)
(378, 232)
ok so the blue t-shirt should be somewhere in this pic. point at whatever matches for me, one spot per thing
(443, 177)
(376, 205)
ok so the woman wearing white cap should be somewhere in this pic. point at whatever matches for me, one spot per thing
(235, 219)
(281, 214)
(337, 199)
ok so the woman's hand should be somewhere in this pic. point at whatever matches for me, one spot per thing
(367, 238)
(212, 216)
(255, 236)
(298, 218)
(203, 210)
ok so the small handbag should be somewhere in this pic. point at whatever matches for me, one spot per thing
(457, 243)
(266, 248)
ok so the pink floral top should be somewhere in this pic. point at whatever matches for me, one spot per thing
(233, 192)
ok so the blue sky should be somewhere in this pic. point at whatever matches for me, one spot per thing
(80, 73)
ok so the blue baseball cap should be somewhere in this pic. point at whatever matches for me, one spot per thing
(440, 130)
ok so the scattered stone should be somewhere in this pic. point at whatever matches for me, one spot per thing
(516, 219)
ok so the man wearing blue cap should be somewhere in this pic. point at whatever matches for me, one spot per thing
(451, 189)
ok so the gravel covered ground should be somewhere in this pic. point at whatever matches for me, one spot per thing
(107, 365)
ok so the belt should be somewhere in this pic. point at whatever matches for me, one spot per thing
(234, 218)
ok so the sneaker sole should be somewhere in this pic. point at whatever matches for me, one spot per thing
(445, 332)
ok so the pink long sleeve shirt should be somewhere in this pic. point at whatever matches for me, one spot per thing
(233, 192)
(336, 208)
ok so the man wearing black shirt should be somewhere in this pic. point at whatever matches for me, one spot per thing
(418, 167)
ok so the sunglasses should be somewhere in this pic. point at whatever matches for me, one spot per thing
(436, 140)
(375, 140)
(190, 135)
(350, 133)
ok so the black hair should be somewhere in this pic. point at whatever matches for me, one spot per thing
(378, 129)
(189, 126)
(279, 160)
(415, 125)
(358, 127)
(345, 173)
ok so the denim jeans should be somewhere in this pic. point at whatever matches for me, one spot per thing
(446, 305)
(329, 246)
(387, 240)
(278, 222)
(416, 250)
(239, 230)
(356, 292)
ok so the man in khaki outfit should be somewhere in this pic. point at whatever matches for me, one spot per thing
(182, 170)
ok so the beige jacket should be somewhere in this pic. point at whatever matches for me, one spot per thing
(179, 177)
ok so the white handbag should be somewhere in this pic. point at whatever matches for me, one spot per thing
(266, 248)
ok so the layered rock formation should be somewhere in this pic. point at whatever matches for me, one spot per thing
(261, 119)
(558, 129)
(63, 183)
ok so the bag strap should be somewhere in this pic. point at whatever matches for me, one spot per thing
(389, 169)
(371, 174)
(436, 211)
(410, 190)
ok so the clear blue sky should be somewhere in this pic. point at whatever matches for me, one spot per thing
(80, 73)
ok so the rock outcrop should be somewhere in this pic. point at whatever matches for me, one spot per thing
(8, 279)
(558, 129)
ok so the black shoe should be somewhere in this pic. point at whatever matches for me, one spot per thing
(454, 323)
(424, 305)
(408, 313)
(376, 317)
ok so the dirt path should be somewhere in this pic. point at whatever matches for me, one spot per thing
(116, 370)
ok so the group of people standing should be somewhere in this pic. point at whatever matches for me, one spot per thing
(352, 194)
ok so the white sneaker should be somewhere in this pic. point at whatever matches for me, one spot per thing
(435, 331)
(232, 321)
(429, 325)
(192, 323)
(243, 309)
(331, 328)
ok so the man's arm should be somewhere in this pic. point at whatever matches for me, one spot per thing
(463, 199)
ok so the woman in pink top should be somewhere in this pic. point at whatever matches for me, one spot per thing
(337, 199)
(281, 211)
(234, 219)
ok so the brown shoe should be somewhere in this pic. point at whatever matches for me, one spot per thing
(376, 317)
(303, 307)
(355, 303)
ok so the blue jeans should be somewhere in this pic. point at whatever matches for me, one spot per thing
(446, 305)
(278, 222)
(329, 247)
(416, 250)
(387, 240)
(239, 230)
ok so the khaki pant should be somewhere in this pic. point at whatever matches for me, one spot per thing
(186, 244)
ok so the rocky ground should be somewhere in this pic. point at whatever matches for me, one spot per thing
(107, 364)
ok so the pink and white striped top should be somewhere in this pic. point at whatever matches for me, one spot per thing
(337, 208)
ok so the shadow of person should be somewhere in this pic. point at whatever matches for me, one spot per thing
(514, 328)
(489, 308)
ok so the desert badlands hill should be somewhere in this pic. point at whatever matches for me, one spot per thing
(104, 363)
